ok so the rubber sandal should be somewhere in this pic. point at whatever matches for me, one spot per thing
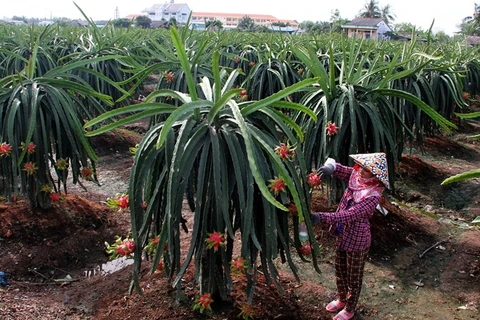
(335, 306)
(344, 315)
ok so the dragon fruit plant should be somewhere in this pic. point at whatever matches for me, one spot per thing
(216, 150)
(45, 100)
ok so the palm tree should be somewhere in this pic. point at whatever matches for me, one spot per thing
(371, 10)
(471, 24)
(387, 15)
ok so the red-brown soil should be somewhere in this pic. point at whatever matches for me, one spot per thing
(40, 248)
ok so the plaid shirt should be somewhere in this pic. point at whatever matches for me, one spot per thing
(354, 217)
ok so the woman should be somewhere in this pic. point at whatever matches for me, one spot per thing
(366, 183)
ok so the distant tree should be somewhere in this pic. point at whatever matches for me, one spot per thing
(281, 24)
(122, 22)
(63, 22)
(335, 15)
(466, 28)
(470, 25)
(264, 29)
(18, 18)
(337, 21)
(214, 25)
(387, 15)
(441, 36)
(370, 10)
(323, 26)
(33, 21)
(406, 28)
(246, 24)
(306, 25)
(316, 27)
(173, 22)
(476, 15)
(143, 21)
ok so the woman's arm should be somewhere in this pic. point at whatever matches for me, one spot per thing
(342, 172)
(365, 207)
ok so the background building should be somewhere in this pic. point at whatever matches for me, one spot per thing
(167, 11)
(231, 20)
(180, 12)
(367, 28)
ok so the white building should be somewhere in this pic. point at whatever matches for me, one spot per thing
(231, 20)
(166, 11)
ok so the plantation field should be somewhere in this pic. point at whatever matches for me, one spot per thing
(49, 255)
(192, 154)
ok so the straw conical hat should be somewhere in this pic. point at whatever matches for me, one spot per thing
(376, 163)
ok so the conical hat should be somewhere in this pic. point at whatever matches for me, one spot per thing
(376, 163)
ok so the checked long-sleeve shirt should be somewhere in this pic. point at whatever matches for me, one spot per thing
(354, 218)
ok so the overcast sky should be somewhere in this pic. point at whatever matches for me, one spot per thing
(447, 14)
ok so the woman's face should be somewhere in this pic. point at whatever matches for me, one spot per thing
(364, 173)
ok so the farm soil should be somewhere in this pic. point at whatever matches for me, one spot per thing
(424, 261)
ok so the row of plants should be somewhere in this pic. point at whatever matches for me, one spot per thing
(237, 122)
(184, 162)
